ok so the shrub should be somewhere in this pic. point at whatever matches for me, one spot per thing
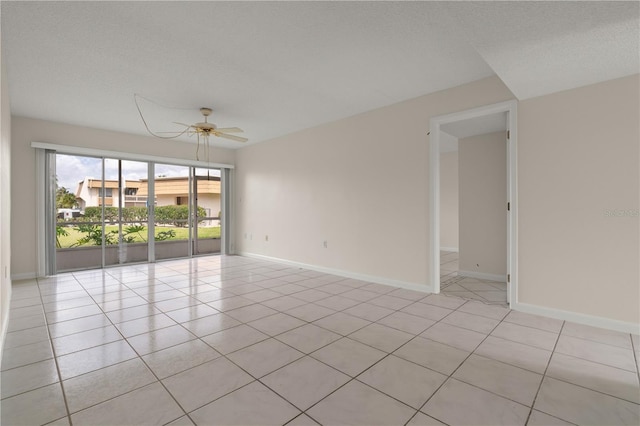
(165, 215)
(135, 214)
(175, 215)
(133, 229)
(165, 235)
(94, 236)
(94, 214)
(60, 232)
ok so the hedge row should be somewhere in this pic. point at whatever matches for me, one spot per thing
(165, 215)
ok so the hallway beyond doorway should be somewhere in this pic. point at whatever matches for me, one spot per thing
(451, 284)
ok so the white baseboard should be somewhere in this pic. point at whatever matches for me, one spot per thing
(454, 249)
(483, 276)
(341, 273)
(594, 321)
(23, 276)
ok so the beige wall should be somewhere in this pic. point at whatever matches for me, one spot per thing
(360, 183)
(483, 204)
(449, 200)
(5, 203)
(578, 159)
(25, 131)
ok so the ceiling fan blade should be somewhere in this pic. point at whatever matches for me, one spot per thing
(182, 124)
(230, 130)
(232, 137)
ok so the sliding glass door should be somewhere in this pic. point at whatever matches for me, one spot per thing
(112, 212)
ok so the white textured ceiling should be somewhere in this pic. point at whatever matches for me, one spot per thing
(539, 48)
(276, 67)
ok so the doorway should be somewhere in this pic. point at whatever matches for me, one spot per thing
(481, 254)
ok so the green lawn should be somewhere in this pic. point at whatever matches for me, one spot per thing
(181, 234)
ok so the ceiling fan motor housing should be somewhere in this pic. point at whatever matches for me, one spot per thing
(205, 127)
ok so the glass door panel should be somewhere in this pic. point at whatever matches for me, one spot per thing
(78, 231)
(172, 210)
(126, 218)
(206, 232)
(126, 213)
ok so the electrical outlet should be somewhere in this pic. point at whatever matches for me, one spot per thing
(266, 238)
(325, 244)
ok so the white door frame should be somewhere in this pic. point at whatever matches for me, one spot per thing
(510, 107)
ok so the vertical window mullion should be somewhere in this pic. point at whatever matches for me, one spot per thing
(151, 224)
(103, 213)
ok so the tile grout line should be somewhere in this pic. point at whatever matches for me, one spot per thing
(55, 358)
(450, 376)
(553, 351)
(221, 356)
(197, 338)
(351, 378)
(139, 357)
(544, 374)
(635, 356)
(380, 360)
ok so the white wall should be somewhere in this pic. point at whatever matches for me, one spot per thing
(449, 201)
(25, 131)
(5, 203)
(578, 160)
(359, 183)
(483, 204)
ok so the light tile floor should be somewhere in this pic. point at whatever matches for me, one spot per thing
(231, 340)
(452, 284)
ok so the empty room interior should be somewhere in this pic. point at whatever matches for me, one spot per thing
(320, 213)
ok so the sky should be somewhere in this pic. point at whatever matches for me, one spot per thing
(71, 169)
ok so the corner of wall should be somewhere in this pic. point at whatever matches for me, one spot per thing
(5, 203)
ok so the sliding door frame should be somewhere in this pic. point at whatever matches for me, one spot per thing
(45, 201)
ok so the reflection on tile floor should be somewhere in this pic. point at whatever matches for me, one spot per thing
(452, 284)
(232, 340)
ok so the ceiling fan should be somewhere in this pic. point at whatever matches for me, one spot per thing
(207, 129)
(202, 130)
